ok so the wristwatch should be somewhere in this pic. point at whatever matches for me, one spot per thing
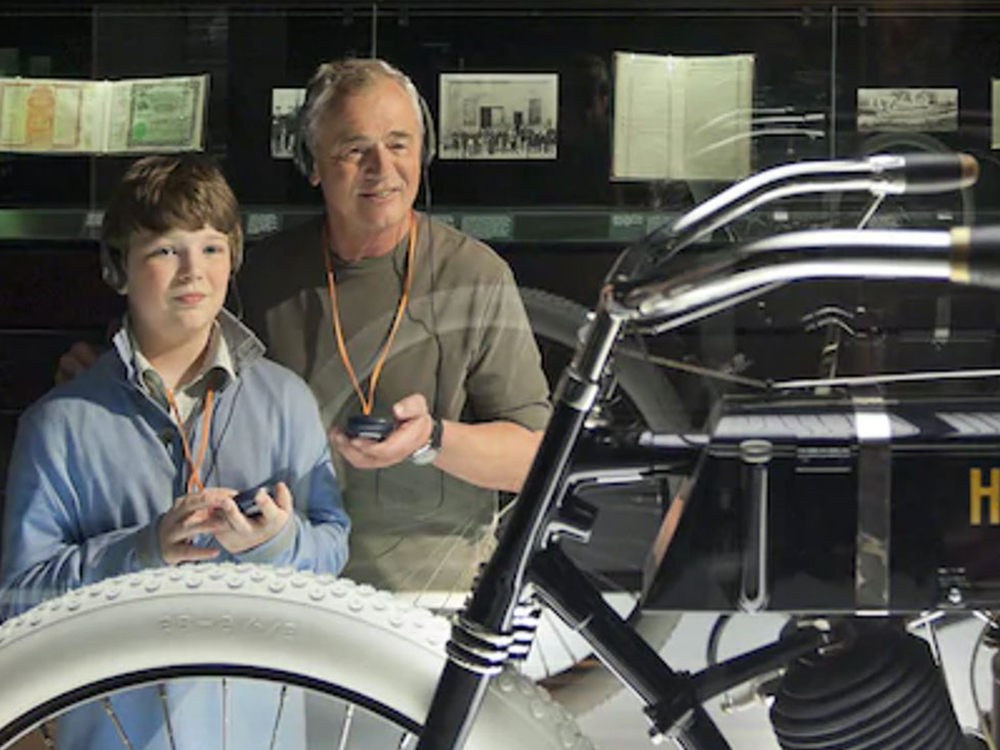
(427, 452)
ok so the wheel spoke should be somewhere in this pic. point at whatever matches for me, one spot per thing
(277, 717)
(165, 706)
(444, 551)
(345, 730)
(43, 730)
(225, 714)
(119, 729)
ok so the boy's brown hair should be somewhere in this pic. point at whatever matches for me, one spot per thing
(160, 193)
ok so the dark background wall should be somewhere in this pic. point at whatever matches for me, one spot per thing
(810, 57)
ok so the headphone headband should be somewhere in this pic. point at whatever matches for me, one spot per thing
(327, 78)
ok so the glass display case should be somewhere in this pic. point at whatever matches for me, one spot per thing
(566, 131)
(827, 80)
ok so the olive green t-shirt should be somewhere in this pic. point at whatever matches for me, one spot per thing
(464, 343)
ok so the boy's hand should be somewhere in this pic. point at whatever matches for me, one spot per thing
(79, 357)
(237, 532)
(191, 514)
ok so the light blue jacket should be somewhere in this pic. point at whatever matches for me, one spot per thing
(96, 462)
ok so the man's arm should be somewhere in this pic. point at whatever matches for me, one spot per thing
(492, 454)
(495, 454)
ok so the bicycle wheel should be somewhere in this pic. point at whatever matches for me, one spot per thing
(644, 397)
(376, 659)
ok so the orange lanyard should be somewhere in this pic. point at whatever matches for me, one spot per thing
(368, 402)
(194, 480)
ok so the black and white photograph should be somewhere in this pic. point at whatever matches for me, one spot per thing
(498, 116)
(285, 105)
(907, 110)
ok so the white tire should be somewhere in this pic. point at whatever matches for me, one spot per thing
(320, 629)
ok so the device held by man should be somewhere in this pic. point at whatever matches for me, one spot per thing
(372, 428)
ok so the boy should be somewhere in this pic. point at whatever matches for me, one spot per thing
(136, 462)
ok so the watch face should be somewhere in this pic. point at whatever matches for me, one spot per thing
(424, 455)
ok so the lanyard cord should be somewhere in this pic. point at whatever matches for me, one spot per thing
(194, 480)
(368, 402)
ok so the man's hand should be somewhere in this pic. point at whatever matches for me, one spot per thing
(191, 514)
(79, 357)
(413, 429)
(493, 454)
(238, 533)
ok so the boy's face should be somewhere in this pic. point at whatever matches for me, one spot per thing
(177, 282)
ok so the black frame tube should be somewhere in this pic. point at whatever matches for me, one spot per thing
(577, 602)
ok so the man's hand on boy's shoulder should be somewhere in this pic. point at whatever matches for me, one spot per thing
(78, 358)
(82, 355)
(238, 532)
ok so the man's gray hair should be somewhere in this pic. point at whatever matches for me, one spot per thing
(335, 81)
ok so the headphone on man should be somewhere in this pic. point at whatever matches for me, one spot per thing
(302, 154)
(113, 261)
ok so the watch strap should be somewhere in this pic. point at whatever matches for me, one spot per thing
(427, 452)
(437, 429)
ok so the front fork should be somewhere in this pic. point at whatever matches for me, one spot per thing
(481, 635)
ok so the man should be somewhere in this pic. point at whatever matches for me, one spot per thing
(439, 328)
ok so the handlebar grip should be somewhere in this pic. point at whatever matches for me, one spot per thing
(975, 256)
(933, 173)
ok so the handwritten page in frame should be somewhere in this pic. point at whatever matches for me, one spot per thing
(682, 117)
(641, 130)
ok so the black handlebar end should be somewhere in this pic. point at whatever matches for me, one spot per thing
(935, 173)
(975, 256)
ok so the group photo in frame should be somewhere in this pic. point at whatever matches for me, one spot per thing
(498, 115)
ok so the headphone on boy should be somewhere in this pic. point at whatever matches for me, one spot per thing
(113, 261)
(302, 154)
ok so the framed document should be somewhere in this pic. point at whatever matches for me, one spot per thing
(40, 115)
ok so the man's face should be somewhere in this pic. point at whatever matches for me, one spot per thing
(177, 282)
(368, 160)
